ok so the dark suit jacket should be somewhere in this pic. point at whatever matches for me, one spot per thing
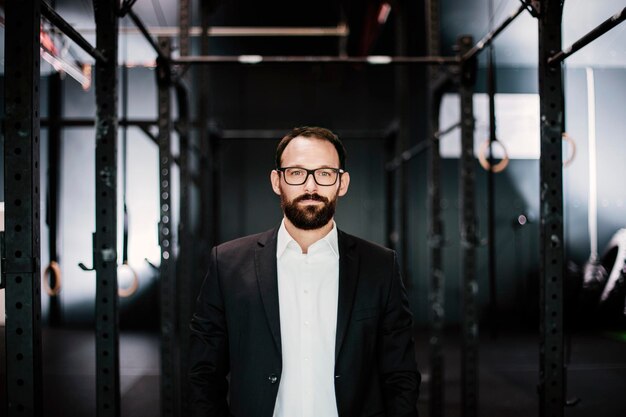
(236, 333)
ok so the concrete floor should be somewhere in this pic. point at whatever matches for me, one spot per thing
(508, 375)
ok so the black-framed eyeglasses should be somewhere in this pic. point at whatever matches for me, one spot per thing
(322, 176)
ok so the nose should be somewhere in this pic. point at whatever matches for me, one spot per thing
(310, 186)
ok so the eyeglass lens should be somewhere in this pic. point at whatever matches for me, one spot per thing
(322, 176)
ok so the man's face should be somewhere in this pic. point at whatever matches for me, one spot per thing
(309, 206)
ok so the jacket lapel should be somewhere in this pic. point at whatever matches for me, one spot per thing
(348, 277)
(267, 277)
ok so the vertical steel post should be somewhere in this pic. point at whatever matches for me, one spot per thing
(491, 199)
(390, 193)
(468, 239)
(167, 286)
(551, 372)
(105, 236)
(208, 218)
(55, 113)
(184, 10)
(215, 142)
(403, 141)
(185, 259)
(21, 261)
(436, 231)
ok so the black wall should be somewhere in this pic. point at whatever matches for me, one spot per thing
(344, 99)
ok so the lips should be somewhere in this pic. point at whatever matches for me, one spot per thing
(310, 199)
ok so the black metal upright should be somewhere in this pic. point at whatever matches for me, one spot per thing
(21, 261)
(551, 372)
(208, 218)
(105, 236)
(167, 287)
(390, 193)
(185, 259)
(184, 14)
(436, 232)
(53, 197)
(402, 97)
(491, 198)
(467, 225)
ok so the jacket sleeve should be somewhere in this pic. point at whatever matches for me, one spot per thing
(400, 378)
(208, 354)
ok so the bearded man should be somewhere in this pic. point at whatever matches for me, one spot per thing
(304, 320)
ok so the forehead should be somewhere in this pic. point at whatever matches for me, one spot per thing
(310, 152)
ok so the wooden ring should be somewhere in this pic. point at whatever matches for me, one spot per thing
(52, 270)
(132, 289)
(500, 166)
(567, 138)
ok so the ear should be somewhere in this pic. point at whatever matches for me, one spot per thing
(275, 181)
(344, 183)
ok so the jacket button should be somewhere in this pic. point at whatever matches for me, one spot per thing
(337, 376)
(272, 378)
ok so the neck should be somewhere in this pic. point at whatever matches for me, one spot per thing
(305, 238)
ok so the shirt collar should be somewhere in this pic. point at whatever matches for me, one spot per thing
(284, 239)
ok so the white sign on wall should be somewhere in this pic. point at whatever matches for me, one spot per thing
(517, 125)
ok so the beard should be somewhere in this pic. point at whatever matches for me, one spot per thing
(309, 217)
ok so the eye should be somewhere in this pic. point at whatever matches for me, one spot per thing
(325, 173)
(295, 172)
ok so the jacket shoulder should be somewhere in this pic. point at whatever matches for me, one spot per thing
(365, 246)
(246, 242)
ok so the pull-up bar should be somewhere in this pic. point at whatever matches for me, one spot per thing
(600, 30)
(485, 41)
(372, 59)
(411, 153)
(54, 18)
(142, 28)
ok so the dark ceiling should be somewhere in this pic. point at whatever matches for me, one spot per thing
(516, 46)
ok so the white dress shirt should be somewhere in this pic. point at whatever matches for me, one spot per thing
(308, 286)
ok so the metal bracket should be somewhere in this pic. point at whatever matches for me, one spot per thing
(532, 7)
(156, 268)
(125, 7)
(93, 259)
(85, 267)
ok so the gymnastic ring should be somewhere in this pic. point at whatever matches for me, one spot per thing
(52, 269)
(127, 292)
(567, 138)
(500, 166)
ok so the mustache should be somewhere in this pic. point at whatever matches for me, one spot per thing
(314, 197)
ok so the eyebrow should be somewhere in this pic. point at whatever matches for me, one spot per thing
(301, 166)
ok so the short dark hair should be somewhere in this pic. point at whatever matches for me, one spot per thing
(312, 132)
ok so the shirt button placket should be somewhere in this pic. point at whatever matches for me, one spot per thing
(307, 340)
